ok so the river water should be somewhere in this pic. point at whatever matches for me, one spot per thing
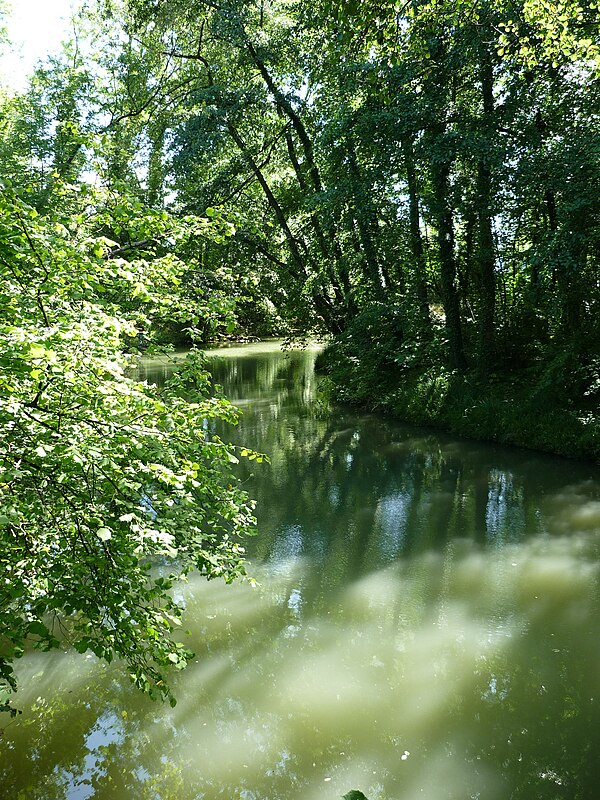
(425, 626)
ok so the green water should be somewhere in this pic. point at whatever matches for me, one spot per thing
(426, 626)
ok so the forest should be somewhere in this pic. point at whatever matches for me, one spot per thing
(415, 184)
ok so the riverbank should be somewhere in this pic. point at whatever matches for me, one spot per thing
(515, 409)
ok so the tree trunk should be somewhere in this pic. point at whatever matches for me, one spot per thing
(156, 170)
(416, 241)
(322, 303)
(286, 108)
(440, 174)
(485, 238)
(365, 214)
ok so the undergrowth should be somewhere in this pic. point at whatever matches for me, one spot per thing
(552, 406)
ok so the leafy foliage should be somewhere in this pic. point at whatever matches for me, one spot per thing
(110, 489)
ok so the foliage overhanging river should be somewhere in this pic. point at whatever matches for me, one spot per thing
(425, 626)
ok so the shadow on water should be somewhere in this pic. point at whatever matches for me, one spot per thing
(424, 627)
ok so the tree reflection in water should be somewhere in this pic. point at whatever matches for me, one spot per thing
(425, 626)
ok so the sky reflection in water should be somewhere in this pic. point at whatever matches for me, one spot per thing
(425, 627)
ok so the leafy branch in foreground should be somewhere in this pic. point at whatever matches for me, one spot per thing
(110, 489)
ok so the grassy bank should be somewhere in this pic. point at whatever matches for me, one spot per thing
(546, 408)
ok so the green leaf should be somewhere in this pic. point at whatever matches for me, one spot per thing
(38, 628)
(37, 351)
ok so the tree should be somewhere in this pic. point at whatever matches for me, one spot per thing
(110, 489)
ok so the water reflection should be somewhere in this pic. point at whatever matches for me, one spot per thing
(425, 627)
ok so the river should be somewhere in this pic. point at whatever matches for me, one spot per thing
(425, 625)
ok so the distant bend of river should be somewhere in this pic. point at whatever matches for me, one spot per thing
(425, 626)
